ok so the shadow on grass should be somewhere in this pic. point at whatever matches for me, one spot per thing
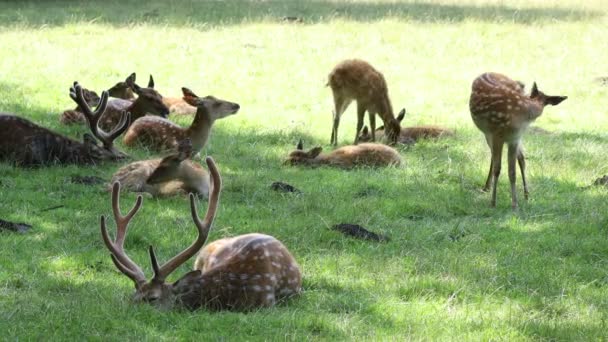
(222, 13)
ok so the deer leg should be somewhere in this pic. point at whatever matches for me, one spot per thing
(496, 161)
(360, 115)
(512, 159)
(340, 106)
(522, 167)
(489, 179)
(372, 124)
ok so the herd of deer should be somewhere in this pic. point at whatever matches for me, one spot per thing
(253, 270)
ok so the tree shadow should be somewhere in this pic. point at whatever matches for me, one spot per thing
(225, 13)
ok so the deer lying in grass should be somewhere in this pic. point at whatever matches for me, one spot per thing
(121, 90)
(357, 80)
(171, 175)
(72, 116)
(26, 144)
(408, 135)
(160, 134)
(241, 273)
(366, 154)
(502, 111)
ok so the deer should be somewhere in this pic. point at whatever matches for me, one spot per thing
(242, 273)
(27, 144)
(355, 79)
(160, 134)
(169, 176)
(502, 111)
(409, 135)
(72, 116)
(364, 154)
(122, 90)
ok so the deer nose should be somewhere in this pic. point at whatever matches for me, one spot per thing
(236, 107)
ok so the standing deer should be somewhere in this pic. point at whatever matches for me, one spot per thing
(27, 144)
(72, 116)
(242, 273)
(408, 135)
(171, 175)
(160, 134)
(357, 80)
(366, 154)
(502, 111)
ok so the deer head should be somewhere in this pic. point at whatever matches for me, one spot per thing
(169, 166)
(149, 100)
(93, 117)
(543, 99)
(157, 291)
(122, 90)
(216, 108)
(301, 157)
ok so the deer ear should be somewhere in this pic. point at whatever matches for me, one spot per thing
(190, 97)
(313, 153)
(555, 100)
(534, 92)
(365, 130)
(401, 115)
(300, 145)
(131, 78)
(151, 82)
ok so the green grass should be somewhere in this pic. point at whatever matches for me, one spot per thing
(455, 269)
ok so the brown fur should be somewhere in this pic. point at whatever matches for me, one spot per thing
(409, 135)
(178, 106)
(160, 134)
(502, 111)
(357, 80)
(365, 154)
(72, 116)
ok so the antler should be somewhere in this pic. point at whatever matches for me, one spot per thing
(93, 117)
(161, 273)
(119, 257)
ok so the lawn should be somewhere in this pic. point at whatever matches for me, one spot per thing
(455, 269)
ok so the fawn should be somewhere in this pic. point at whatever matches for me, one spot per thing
(121, 90)
(241, 273)
(72, 116)
(160, 134)
(502, 111)
(171, 175)
(408, 135)
(357, 80)
(27, 144)
(366, 154)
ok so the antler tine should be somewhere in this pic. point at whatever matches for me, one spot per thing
(93, 116)
(203, 227)
(123, 124)
(122, 262)
(154, 261)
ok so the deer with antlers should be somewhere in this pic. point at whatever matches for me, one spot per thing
(408, 135)
(502, 111)
(241, 273)
(160, 134)
(355, 79)
(171, 175)
(365, 154)
(27, 144)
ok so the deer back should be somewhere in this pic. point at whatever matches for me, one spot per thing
(155, 133)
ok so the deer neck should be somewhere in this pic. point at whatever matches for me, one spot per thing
(200, 129)
(136, 109)
(534, 108)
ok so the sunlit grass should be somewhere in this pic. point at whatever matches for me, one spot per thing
(455, 269)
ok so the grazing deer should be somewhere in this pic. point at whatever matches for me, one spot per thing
(160, 134)
(242, 273)
(357, 80)
(366, 154)
(72, 116)
(27, 144)
(502, 111)
(174, 174)
(408, 135)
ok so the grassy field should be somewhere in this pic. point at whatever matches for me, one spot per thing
(455, 269)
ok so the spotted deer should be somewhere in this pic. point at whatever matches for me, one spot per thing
(365, 154)
(160, 134)
(408, 135)
(357, 80)
(26, 144)
(72, 116)
(171, 175)
(242, 273)
(502, 111)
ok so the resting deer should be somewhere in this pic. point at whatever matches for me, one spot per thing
(171, 175)
(160, 134)
(366, 154)
(241, 273)
(357, 80)
(27, 144)
(121, 90)
(408, 135)
(72, 116)
(502, 111)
